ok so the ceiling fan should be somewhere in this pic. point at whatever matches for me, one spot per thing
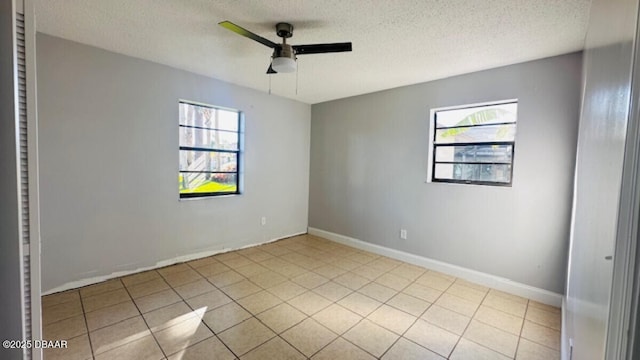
(284, 55)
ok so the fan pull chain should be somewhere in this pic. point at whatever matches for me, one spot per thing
(269, 84)
(297, 68)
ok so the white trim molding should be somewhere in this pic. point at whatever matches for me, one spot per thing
(492, 281)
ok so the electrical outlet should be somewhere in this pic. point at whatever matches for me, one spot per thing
(263, 221)
(403, 234)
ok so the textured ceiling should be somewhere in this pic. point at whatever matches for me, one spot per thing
(395, 42)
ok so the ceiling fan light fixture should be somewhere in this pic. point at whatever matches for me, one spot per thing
(284, 64)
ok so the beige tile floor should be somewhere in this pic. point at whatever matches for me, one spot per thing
(298, 298)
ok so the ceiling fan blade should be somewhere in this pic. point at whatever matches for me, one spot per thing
(270, 70)
(321, 48)
(246, 33)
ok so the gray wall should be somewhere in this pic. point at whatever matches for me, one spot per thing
(599, 169)
(10, 271)
(109, 159)
(369, 166)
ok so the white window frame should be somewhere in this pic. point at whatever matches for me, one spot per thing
(239, 154)
(431, 150)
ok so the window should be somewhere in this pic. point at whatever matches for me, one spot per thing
(474, 144)
(209, 151)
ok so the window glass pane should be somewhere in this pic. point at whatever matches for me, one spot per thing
(196, 115)
(207, 161)
(184, 115)
(191, 183)
(227, 120)
(474, 172)
(489, 133)
(209, 117)
(474, 153)
(210, 139)
(490, 114)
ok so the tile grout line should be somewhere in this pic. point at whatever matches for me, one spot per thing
(64, 319)
(507, 299)
(151, 293)
(521, 327)
(283, 339)
(84, 316)
(386, 303)
(213, 332)
(538, 324)
(108, 306)
(350, 271)
(473, 316)
(331, 303)
(145, 322)
(81, 300)
(538, 343)
(346, 331)
(469, 324)
(255, 316)
(208, 327)
(145, 281)
(278, 335)
(62, 302)
(382, 303)
(420, 316)
(412, 282)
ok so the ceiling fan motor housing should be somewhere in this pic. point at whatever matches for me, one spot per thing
(284, 50)
(284, 30)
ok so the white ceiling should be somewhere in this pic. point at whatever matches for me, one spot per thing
(395, 42)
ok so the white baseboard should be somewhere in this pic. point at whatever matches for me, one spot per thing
(180, 259)
(492, 281)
